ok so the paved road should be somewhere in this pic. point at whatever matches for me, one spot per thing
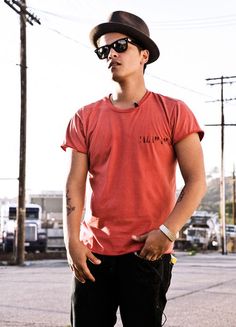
(203, 293)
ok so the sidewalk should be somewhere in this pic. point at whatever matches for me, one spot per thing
(202, 293)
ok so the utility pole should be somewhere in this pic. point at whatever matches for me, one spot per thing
(216, 81)
(25, 16)
(233, 200)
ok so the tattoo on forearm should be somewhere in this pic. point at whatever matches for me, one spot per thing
(181, 195)
(69, 207)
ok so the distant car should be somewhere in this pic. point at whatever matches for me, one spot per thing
(230, 230)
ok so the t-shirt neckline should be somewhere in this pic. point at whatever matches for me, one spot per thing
(114, 108)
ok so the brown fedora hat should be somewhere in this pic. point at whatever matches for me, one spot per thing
(130, 25)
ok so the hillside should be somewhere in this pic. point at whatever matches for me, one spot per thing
(211, 201)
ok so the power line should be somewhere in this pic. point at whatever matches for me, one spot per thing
(58, 15)
(193, 26)
(218, 21)
(225, 99)
(57, 31)
(180, 86)
(19, 7)
(8, 178)
(230, 80)
(198, 19)
(204, 22)
(68, 18)
(67, 37)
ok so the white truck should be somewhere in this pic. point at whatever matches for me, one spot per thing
(35, 236)
(203, 230)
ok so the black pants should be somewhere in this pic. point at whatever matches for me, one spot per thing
(137, 286)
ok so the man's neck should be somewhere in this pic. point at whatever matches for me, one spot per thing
(127, 96)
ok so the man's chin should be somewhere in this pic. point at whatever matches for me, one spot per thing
(116, 78)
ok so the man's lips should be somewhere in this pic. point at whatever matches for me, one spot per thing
(113, 64)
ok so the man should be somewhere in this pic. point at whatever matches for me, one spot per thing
(129, 142)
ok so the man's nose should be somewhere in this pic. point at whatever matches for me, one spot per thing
(112, 53)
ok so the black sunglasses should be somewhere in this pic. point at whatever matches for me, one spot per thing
(119, 46)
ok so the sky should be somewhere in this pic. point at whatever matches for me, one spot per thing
(196, 41)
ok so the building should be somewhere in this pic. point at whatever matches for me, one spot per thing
(51, 203)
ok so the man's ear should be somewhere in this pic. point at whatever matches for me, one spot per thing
(145, 56)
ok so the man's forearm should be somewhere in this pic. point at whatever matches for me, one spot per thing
(186, 204)
(75, 199)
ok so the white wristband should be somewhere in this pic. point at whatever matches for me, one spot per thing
(171, 236)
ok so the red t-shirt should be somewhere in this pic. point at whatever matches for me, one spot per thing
(132, 165)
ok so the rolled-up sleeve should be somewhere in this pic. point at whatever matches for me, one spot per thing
(185, 123)
(75, 137)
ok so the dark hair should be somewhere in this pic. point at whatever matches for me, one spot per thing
(140, 48)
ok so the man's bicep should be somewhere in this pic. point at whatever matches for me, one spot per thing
(79, 167)
(190, 157)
